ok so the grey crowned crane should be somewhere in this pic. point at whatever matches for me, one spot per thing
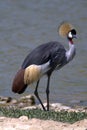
(43, 60)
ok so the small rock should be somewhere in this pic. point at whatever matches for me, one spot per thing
(6, 99)
(23, 118)
(29, 107)
(2, 102)
(40, 107)
(65, 107)
(28, 99)
(21, 104)
(56, 105)
(13, 101)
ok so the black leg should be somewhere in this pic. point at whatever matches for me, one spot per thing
(37, 95)
(47, 92)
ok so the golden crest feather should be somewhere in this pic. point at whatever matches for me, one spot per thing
(64, 28)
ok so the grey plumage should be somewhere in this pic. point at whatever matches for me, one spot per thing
(52, 51)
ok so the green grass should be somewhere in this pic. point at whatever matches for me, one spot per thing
(62, 116)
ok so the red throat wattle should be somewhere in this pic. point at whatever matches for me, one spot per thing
(71, 41)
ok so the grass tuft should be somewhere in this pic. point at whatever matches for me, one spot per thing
(62, 116)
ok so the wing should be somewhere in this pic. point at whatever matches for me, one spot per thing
(58, 58)
(45, 52)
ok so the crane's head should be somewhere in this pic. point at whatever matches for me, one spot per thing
(67, 30)
(71, 34)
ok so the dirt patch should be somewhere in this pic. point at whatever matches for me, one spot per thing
(23, 123)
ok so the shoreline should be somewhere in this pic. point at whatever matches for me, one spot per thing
(28, 102)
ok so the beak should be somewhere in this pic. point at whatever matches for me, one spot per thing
(74, 36)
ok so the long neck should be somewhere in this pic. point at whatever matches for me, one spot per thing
(71, 52)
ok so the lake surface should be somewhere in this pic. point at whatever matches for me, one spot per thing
(27, 24)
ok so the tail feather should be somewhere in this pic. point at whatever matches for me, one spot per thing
(18, 85)
(24, 77)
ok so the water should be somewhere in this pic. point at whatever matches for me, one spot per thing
(27, 24)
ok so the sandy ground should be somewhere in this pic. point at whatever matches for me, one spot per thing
(23, 123)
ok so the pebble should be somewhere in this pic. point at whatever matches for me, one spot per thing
(23, 118)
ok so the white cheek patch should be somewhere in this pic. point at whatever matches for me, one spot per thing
(70, 35)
